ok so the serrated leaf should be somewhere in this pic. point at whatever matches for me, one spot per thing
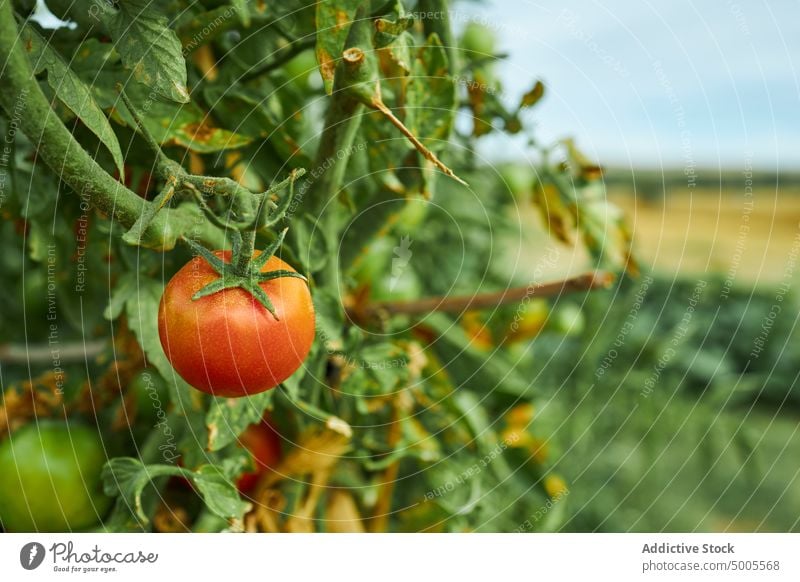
(378, 369)
(334, 18)
(149, 48)
(471, 367)
(399, 52)
(186, 126)
(329, 317)
(219, 493)
(122, 292)
(142, 312)
(431, 94)
(310, 240)
(255, 116)
(127, 478)
(386, 150)
(227, 418)
(71, 91)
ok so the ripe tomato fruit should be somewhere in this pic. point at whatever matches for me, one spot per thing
(264, 444)
(229, 344)
(51, 478)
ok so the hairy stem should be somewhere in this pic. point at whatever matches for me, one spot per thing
(23, 101)
(245, 252)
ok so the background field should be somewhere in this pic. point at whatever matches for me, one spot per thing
(714, 447)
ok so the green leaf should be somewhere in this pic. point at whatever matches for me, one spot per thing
(242, 8)
(71, 91)
(228, 417)
(387, 151)
(219, 493)
(310, 241)
(122, 292)
(431, 95)
(142, 312)
(334, 18)
(400, 51)
(329, 317)
(127, 478)
(149, 48)
(380, 369)
(256, 114)
(471, 367)
(186, 125)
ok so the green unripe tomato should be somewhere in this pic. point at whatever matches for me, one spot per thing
(34, 289)
(479, 39)
(412, 215)
(404, 286)
(567, 320)
(301, 68)
(51, 478)
(387, 281)
(375, 262)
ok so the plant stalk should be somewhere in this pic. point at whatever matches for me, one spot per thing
(584, 282)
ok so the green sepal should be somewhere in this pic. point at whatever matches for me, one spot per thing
(216, 263)
(261, 260)
(214, 287)
(256, 291)
(280, 273)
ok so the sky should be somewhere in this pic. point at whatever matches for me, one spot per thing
(645, 84)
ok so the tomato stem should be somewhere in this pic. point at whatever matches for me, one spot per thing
(245, 250)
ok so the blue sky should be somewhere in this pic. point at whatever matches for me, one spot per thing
(655, 84)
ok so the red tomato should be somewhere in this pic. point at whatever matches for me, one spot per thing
(264, 444)
(227, 343)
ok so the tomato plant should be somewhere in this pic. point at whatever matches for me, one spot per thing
(272, 213)
(51, 478)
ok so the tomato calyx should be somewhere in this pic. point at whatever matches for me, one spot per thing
(245, 274)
